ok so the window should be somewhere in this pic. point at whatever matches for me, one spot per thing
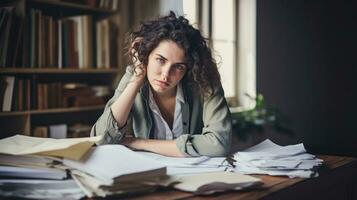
(230, 26)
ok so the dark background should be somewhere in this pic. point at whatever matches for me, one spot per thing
(306, 66)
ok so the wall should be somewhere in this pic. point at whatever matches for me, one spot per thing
(306, 52)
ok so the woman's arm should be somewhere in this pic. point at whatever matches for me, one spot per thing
(107, 124)
(163, 147)
(122, 106)
(214, 139)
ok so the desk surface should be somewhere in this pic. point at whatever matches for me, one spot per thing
(337, 180)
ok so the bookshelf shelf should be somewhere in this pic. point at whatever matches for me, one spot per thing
(53, 111)
(57, 71)
(79, 8)
(58, 57)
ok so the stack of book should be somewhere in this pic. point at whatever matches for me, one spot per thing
(18, 94)
(79, 94)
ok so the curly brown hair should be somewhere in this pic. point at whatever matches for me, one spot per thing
(202, 73)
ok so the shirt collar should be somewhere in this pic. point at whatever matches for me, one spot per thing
(179, 96)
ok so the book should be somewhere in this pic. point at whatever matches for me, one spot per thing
(8, 95)
(6, 22)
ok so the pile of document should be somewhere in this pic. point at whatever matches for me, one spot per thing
(201, 175)
(39, 168)
(32, 167)
(272, 159)
(115, 170)
(45, 168)
(35, 177)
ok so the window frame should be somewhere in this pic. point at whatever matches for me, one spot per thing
(204, 16)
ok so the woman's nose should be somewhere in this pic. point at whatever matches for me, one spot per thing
(165, 72)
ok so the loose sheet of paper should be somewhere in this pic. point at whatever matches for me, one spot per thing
(72, 148)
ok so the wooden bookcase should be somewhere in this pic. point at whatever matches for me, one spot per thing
(24, 120)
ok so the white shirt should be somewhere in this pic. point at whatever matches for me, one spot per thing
(162, 130)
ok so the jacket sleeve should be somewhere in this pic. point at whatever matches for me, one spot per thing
(215, 138)
(106, 125)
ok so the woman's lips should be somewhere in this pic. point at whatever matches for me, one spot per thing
(162, 83)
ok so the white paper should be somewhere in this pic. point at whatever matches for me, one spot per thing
(108, 162)
(193, 170)
(272, 159)
(291, 164)
(175, 161)
(189, 165)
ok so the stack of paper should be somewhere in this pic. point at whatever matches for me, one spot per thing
(201, 175)
(32, 167)
(270, 158)
(189, 165)
(114, 169)
(20, 156)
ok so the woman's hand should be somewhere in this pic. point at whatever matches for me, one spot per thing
(139, 69)
(139, 76)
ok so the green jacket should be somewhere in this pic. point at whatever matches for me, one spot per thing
(207, 127)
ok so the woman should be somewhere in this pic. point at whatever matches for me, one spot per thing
(171, 95)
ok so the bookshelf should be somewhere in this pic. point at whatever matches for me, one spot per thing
(59, 63)
(13, 71)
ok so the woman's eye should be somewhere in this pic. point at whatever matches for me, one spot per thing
(160, 60)
(180, 67)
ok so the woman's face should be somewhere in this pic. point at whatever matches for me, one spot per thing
(166, 67)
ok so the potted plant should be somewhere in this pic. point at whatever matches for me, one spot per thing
(256, 118)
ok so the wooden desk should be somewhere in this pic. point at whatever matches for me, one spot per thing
(337, 180)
